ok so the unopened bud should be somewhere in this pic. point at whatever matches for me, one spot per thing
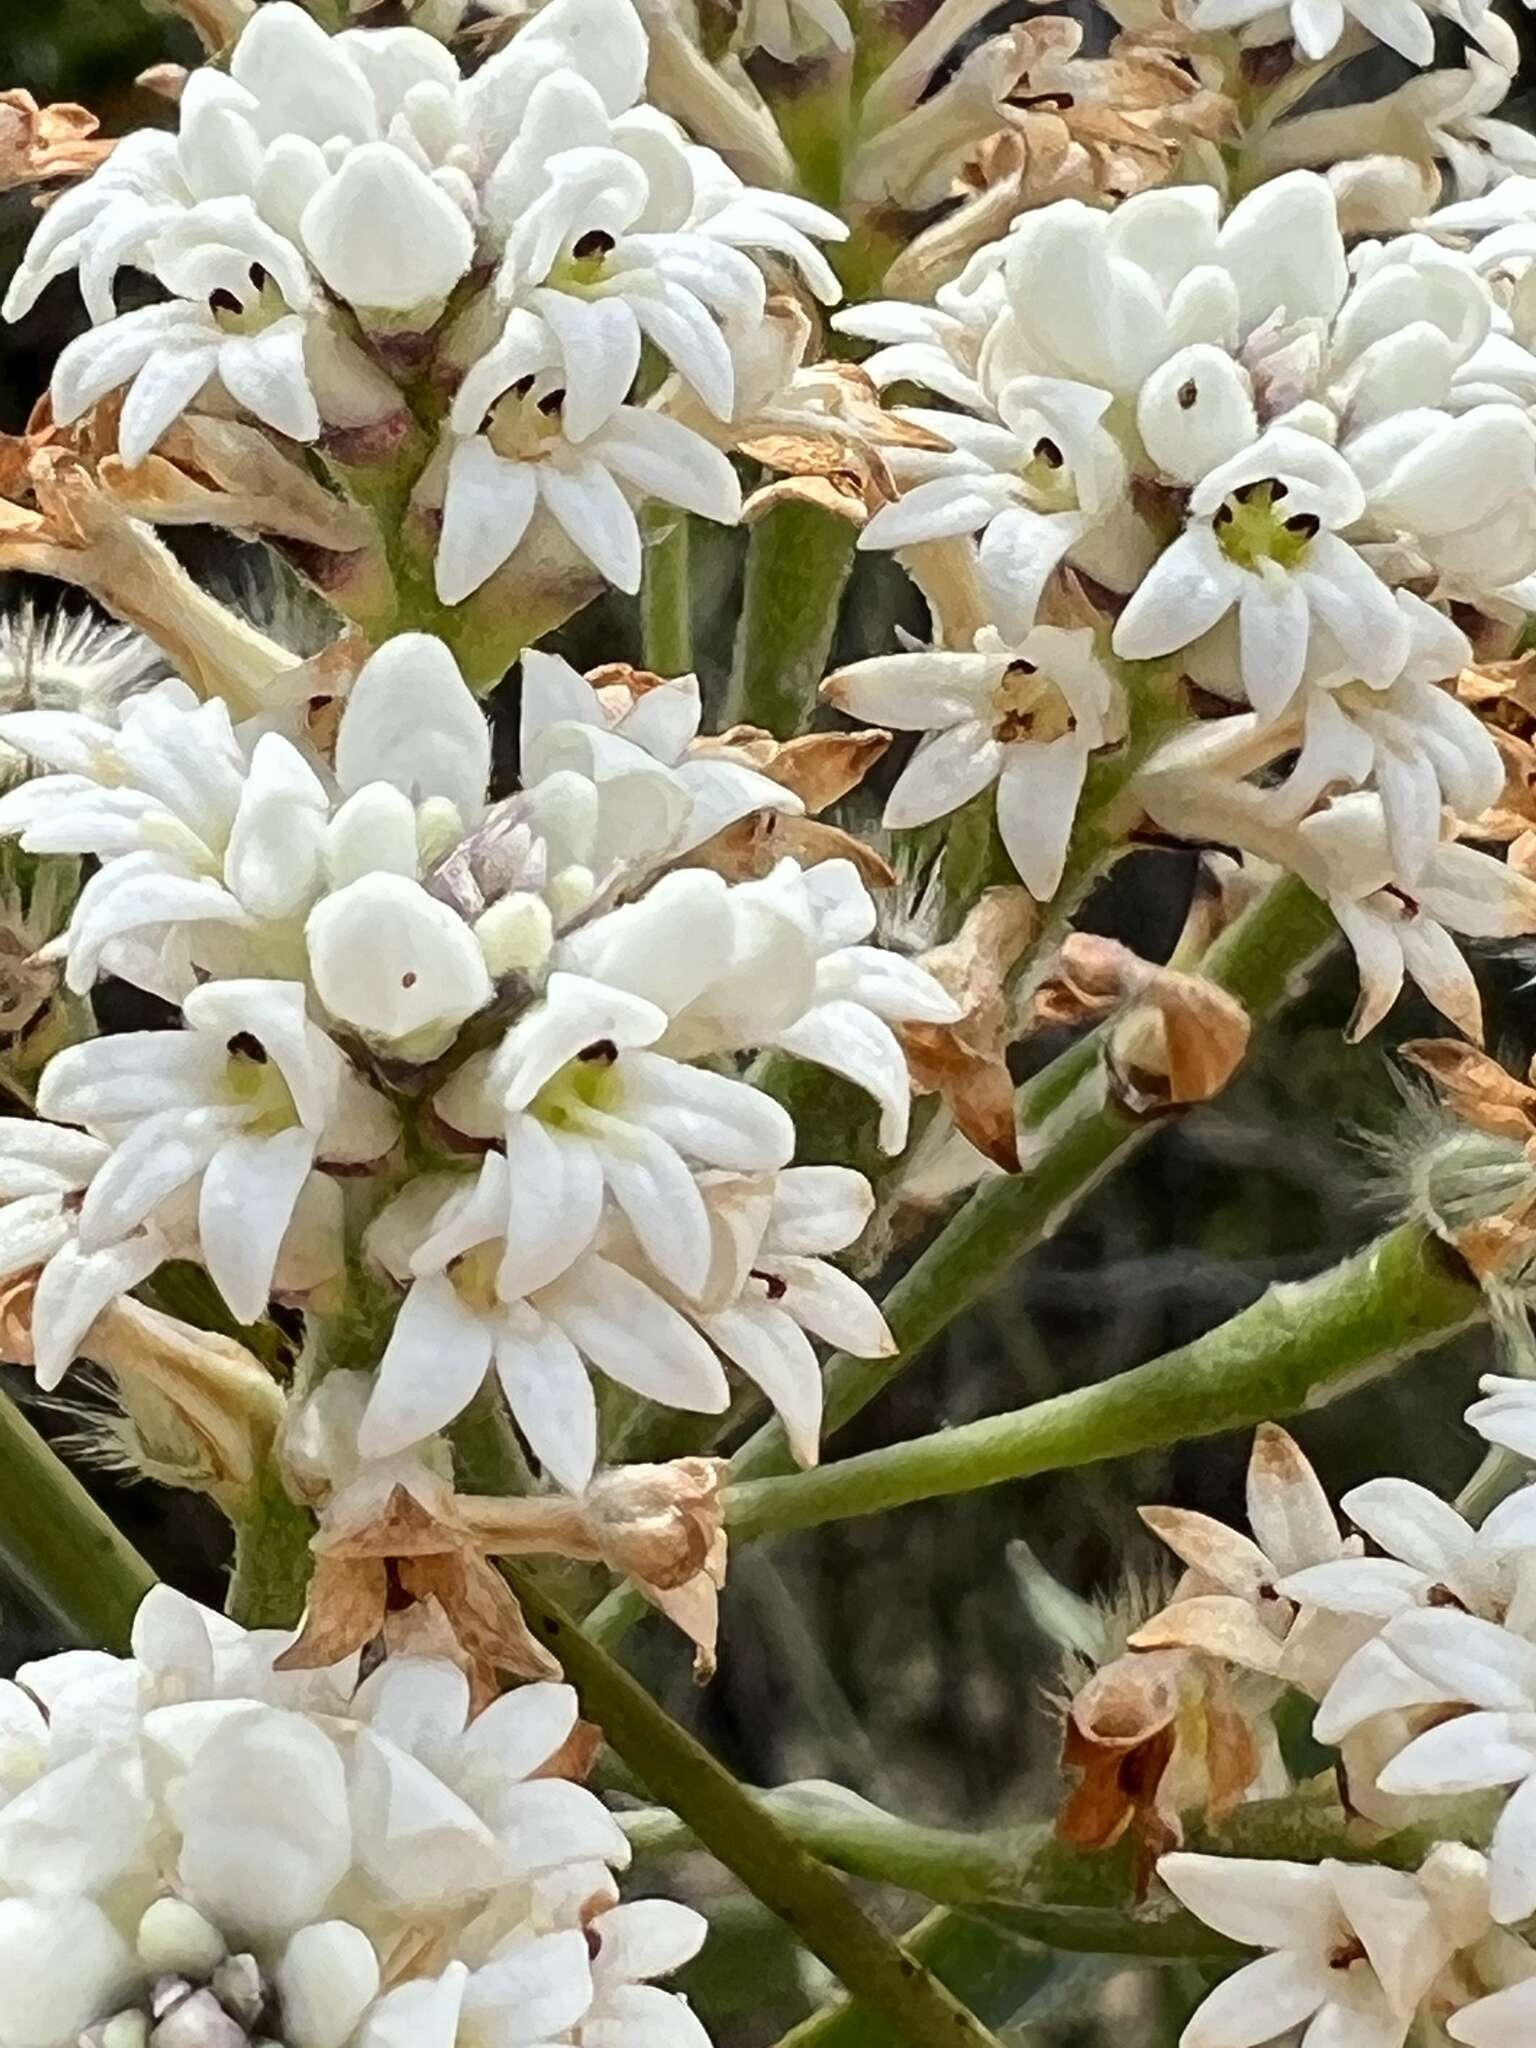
(516, 935)
(439, 828)
(175, 1940)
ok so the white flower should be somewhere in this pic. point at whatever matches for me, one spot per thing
(171, 353)
(243, 1103)
(1264, 539)
(589, 1104)
(1397, 928)
(1414, 742)
(1032, 480)
(1403, 25)
(44, 1171)
(514, 455)
(770, 1284)
(662, 723)
(1436, 1657)
(1353, 1949)
(1107, 298)
(1461, 487)
(790, 970)
(212, 856)
(619, 232)
(1026, 716)
(450, 1241)
(1426, 1548)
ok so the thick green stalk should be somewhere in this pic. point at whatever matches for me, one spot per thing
(798, 562)
(273, 1563)
(59, 1546)
(666, 594)
(785, 1875)
(992, 1972)
(1299, 1346)
(1066, 1898)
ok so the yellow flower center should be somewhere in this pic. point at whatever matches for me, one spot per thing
(253, 1082)
(1251, 527)
(586, 1086)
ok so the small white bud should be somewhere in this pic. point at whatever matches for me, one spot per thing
(516, 935)
(127, 2030)
(439, 828)
(174, 1939)
(570, 892)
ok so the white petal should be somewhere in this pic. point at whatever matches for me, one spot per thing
(249, 1191)
(383, 235)
(74, 1289)
(61, 1963)
(555, 1203)
(550, 1395)
(631, 1334)
(437, 1356)
(595, 516)
(265, 373)
(327, 1979)
(776, 1356)
(860, 1046)
(1037, 796)
(486, 509)
(412, 721)
(1261, 1904)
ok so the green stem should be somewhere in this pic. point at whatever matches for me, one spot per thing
(1300, 1345)
(1072, 1134)
(57, 1544)
(666, 594)
(798, 562)
(273, 1562)
(992, 1972)
(1066, 1898)
(786, 1876)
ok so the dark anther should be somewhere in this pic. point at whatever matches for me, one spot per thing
(224, 301)
(1223, 514)
(1020, 667)
(258, 277)
(243, 1046)
(595, 242)
(1188, 395)
(1304, 525)
(408, 980)
(523, 386)
(601, 1054)
(776, 1288)
(1049, 454)
(551, 403)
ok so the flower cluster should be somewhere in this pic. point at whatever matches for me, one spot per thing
(199, 1847)
(514, 238)
(531, 995)
(1415, 1636)
(1287, 468)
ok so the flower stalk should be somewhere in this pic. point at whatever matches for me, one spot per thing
(1300, 1345)
(57, 1543)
